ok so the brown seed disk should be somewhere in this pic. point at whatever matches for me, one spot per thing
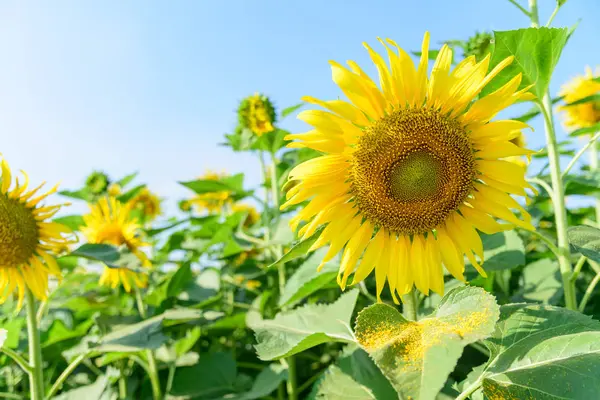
(411, 169)
(18, 232)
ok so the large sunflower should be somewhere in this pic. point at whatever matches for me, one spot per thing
(27, 239)
(110, 222)
(585, 114)
(411, 171)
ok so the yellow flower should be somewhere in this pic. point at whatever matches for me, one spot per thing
(28, 240)
(581, 115)
(110, 222)
(253, 284)
(257, 114)
(146, 202)
(252, 216)
(114, 189)
(411, 170)
(211, 202)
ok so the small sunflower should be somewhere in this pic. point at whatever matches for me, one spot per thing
(97, 182)
(581, 115)
(110, 222)
(28, 240)
(114, 189)
(252, 216)
(411, 171)
(211, 202)
(147, 203)
(257, 114)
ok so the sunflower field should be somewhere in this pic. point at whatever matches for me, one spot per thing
(409, 244)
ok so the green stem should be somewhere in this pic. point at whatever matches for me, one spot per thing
(543, 184)
(588, 292)
(63, 377)
(520, 7)
(593, 146)
(594, 167)
(548, 243)
(10, 396)
(17, 358)
(578, 267)
(410, 305)
(274, 183)
(122, 386)
(36, 375)
(553, 14)
(560, 210)
(469, 390)
(292, 383)
(172, 368)
(532, 13)
(152, 369)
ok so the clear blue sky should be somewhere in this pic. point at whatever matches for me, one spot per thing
(152, 86)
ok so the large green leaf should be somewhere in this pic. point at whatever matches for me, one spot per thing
(212, 377)
(585, 240)
(541, 282)
(232, 184)
(543, 352)
(99, 390)
(265, 383)
(306, 280)
(536, 52)
(354, 376)
(105, 253)
(503, 250)
(417, 357)
(294, 331)
(131, 338)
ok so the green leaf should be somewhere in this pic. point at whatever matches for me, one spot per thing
(585, 240)
(3, 337)
(233, 183)
(100, 390)
(187, 342)
(543, 352)
(74, 222)
(306, 280)
(182, 277)
(594, 98)
(542, 282)
(586, 131)
(130, 194)
(294, 331)
(289, 110)
(126, 179)
(82, 194)
(355, 375)
(417, 357)
(299, 249)
(536, 52)
(136, 337)
(13, 328)
(266, 383)
(206, 285)
(98, 252)
(213, 376)
(503, 250)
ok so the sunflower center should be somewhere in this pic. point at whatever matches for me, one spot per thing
(411, 169)
(19, 235)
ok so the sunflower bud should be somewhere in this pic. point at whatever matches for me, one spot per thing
(114, 189)
(97, 182)
(478, 45)
(257, 114)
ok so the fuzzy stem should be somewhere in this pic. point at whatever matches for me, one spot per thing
(63, 377)
(36, 375)
(410, 305)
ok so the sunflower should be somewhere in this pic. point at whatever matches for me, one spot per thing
(252, 216)
(411, 171)
(110, 222)
(211, 202)
(257, 114)
(147, 203)
(28, 240)
(581, 115)
(114, 189)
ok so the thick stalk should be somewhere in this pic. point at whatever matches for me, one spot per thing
(594, 170)
(560, 209)
(36, 375)
(292, 385)
(410, 305)
(152, 369)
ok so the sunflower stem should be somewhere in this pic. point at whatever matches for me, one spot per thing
(520, 7)
(36, 374)
(410, 305)
(588, 292)
(152, 369)
(65, 374)
(16, 357)
(594, 167)
(593, 146)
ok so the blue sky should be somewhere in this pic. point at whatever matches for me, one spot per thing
(152, 86)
